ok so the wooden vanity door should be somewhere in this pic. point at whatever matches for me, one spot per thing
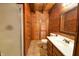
(77, 50)
(49, 48)
(56, 52)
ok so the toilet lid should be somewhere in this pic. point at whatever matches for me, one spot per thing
(44, 40)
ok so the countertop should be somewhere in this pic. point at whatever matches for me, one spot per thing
(66, 49)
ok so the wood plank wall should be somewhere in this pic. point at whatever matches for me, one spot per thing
(55, 16)
(36, 25)
(39, 25)
(71, 19)
(76, 47)
(44, 24)
(27, 28)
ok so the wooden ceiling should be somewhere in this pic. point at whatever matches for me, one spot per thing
(41, 6)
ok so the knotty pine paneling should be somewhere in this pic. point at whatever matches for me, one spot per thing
(71, 20)
(39, 25)
(55, 18)
(35, 26)
(44, 24)
(27, 28)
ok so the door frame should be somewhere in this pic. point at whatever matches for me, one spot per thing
(77, 34)
(21, 28)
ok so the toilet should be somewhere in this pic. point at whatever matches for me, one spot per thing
(44, 43)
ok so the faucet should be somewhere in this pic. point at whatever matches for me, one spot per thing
(66, 41)
(56, 35)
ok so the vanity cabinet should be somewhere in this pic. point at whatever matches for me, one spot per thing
(56, 52)
(52, 50)
(49, 48)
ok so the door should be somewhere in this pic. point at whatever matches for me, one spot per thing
(10, 30)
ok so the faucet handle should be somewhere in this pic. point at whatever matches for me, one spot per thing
(66, 41)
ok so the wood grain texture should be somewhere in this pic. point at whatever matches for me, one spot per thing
(41, 6)
(39, 25)
(38, 6)
(71, 20)
(55, 18)
(35, 26)
(27, 27)
(44, 24)
(48, 6)
(76, 47)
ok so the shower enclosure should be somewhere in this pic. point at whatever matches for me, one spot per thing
(11, 29)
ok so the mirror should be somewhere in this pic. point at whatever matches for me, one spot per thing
(68, 21)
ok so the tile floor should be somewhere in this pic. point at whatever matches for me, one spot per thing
(37, 48)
